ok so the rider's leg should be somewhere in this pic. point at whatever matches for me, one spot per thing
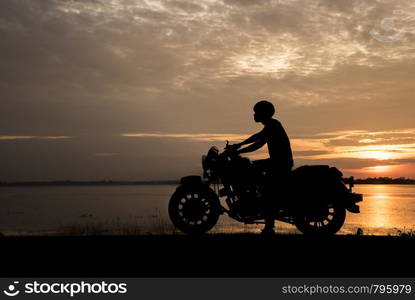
(269, 202)
(275, 189)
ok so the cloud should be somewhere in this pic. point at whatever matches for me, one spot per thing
(381, 145)
(27, 137)
(105, 154)
(97, 69)
(353, 144)
(196, 136)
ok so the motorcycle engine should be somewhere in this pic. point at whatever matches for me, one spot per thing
(245, 202)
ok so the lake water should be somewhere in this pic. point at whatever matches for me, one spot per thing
(143, 209)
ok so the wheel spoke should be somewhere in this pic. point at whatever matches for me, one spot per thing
(193, 211)
(323, 222)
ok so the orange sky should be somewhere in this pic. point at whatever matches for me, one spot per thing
(386, 153)
(139, 90)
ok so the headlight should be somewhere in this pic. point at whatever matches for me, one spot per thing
(204, 163)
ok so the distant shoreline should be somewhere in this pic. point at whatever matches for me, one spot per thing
(381, 180)
(385, 180)
(88, 183)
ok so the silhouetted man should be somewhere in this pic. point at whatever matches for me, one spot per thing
(280, 162)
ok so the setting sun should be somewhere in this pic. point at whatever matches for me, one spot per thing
(378, 169)
(379, 155)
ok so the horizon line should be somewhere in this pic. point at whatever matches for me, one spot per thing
(109, 181)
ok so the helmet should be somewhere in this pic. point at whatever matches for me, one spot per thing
(264, 109)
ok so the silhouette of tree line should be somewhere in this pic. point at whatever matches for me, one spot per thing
(385, 180)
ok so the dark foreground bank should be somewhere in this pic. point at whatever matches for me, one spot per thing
(243, 255)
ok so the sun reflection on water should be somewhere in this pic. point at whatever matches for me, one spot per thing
(385, 209)
(380, 216)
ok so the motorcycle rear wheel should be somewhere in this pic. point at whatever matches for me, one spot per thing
(328, 223)
(193, 212)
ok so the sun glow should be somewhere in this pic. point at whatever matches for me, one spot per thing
(359, 153)
(378, 169)
(379, 155)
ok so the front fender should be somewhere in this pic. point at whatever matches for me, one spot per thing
(193, 180)
(191, 184)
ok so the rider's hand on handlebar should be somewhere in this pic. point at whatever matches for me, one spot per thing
(232, 148)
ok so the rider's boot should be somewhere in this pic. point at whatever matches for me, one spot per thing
(269, 226)
(268, 231)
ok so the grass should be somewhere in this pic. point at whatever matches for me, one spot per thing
(406, 233)
(156, 225)
(89, 226)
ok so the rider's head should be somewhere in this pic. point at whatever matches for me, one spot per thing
(263, 111)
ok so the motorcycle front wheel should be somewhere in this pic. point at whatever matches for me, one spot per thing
(193, 212)
(327, 222)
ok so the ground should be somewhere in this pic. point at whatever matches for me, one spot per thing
(216, 255)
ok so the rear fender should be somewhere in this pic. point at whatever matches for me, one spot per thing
(350, 201)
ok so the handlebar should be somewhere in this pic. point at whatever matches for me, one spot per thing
(230, 149)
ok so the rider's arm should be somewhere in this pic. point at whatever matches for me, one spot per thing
(252, 147)
(254, 138)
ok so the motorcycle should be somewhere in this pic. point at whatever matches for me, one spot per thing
(314, 198)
